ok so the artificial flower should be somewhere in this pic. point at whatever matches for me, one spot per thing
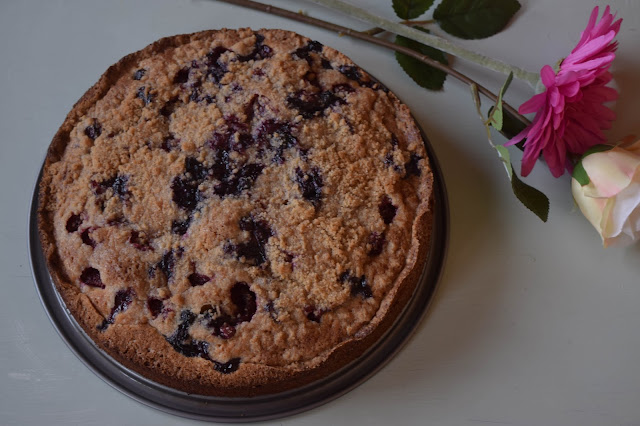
(611, 198)
(570, 114)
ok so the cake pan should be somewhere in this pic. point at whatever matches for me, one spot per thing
(258, 408)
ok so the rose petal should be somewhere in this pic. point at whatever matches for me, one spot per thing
(610, 171)
(618, 211)
(590, 207)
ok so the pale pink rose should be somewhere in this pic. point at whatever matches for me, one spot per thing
(611, 199)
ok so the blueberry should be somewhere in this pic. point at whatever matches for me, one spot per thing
(183, 343)
(215, 69)
(412, 167)
(375, 243)
(117, 183)
(277, 136)
(195, 168)
(180, 227)
(185, 193)
(227, 367)
(196, 279)
(249, 109)
(260, 51)
(122, 301)
(167, 263)
(169, 107)
(155, 306)
(252, 251)
(390, 162)
(223, 325)
(91, 277)
(227, 331)
(271, 309)
(359, 285)
(86, 238)
(353, 73)
(93, 130)
(73, 223)
(139, 74)
(222, 167)
(311, 105)
(240, 181)
(245, 301)
(310, 185)
(189, 347)
(182, 76)
(119, 186)
(194, 348)
(145, 95)
(187, 318)
(387, 210)
(313, 314)
(304, 51)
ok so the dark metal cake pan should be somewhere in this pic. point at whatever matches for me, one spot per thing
(266, 407)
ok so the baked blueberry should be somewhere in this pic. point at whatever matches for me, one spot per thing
(387, 210)
(121, 302)
(310, 184)
(91, 276)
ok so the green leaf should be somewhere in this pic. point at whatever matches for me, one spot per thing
(423, 74)
(496, 116)
(511, 126)
(411, 9)
(532, 199)
(473, 19)
(503, 153)
(597, 148)
(579, 173)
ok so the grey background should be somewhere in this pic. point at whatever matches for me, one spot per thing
(532, 324)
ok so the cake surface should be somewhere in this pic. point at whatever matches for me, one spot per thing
(236, 212)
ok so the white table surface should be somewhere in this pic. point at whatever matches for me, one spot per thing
(532, 324)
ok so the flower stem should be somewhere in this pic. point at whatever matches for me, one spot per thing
(431, 40)
(378, 30)
(424, 22)
(384, 43)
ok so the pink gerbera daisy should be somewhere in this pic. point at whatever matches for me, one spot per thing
(570, 116)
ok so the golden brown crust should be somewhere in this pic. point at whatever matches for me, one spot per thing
(147, 349)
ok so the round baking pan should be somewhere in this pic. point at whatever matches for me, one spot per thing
(267, 407)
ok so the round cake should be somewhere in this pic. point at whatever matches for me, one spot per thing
(236, 212)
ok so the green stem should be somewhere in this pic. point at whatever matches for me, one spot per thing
(424, 22)
(431, 40)
(373, 31)
(378, 30)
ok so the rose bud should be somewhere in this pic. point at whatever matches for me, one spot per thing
(606, 187)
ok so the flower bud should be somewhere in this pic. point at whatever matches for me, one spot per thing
(606, 187)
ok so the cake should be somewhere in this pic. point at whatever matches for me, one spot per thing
(236, 212)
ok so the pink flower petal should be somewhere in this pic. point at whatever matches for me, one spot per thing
(570, 89)
(590, 25)
(548, 76)
(533, 104)
(517, 138)
(570, 115)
